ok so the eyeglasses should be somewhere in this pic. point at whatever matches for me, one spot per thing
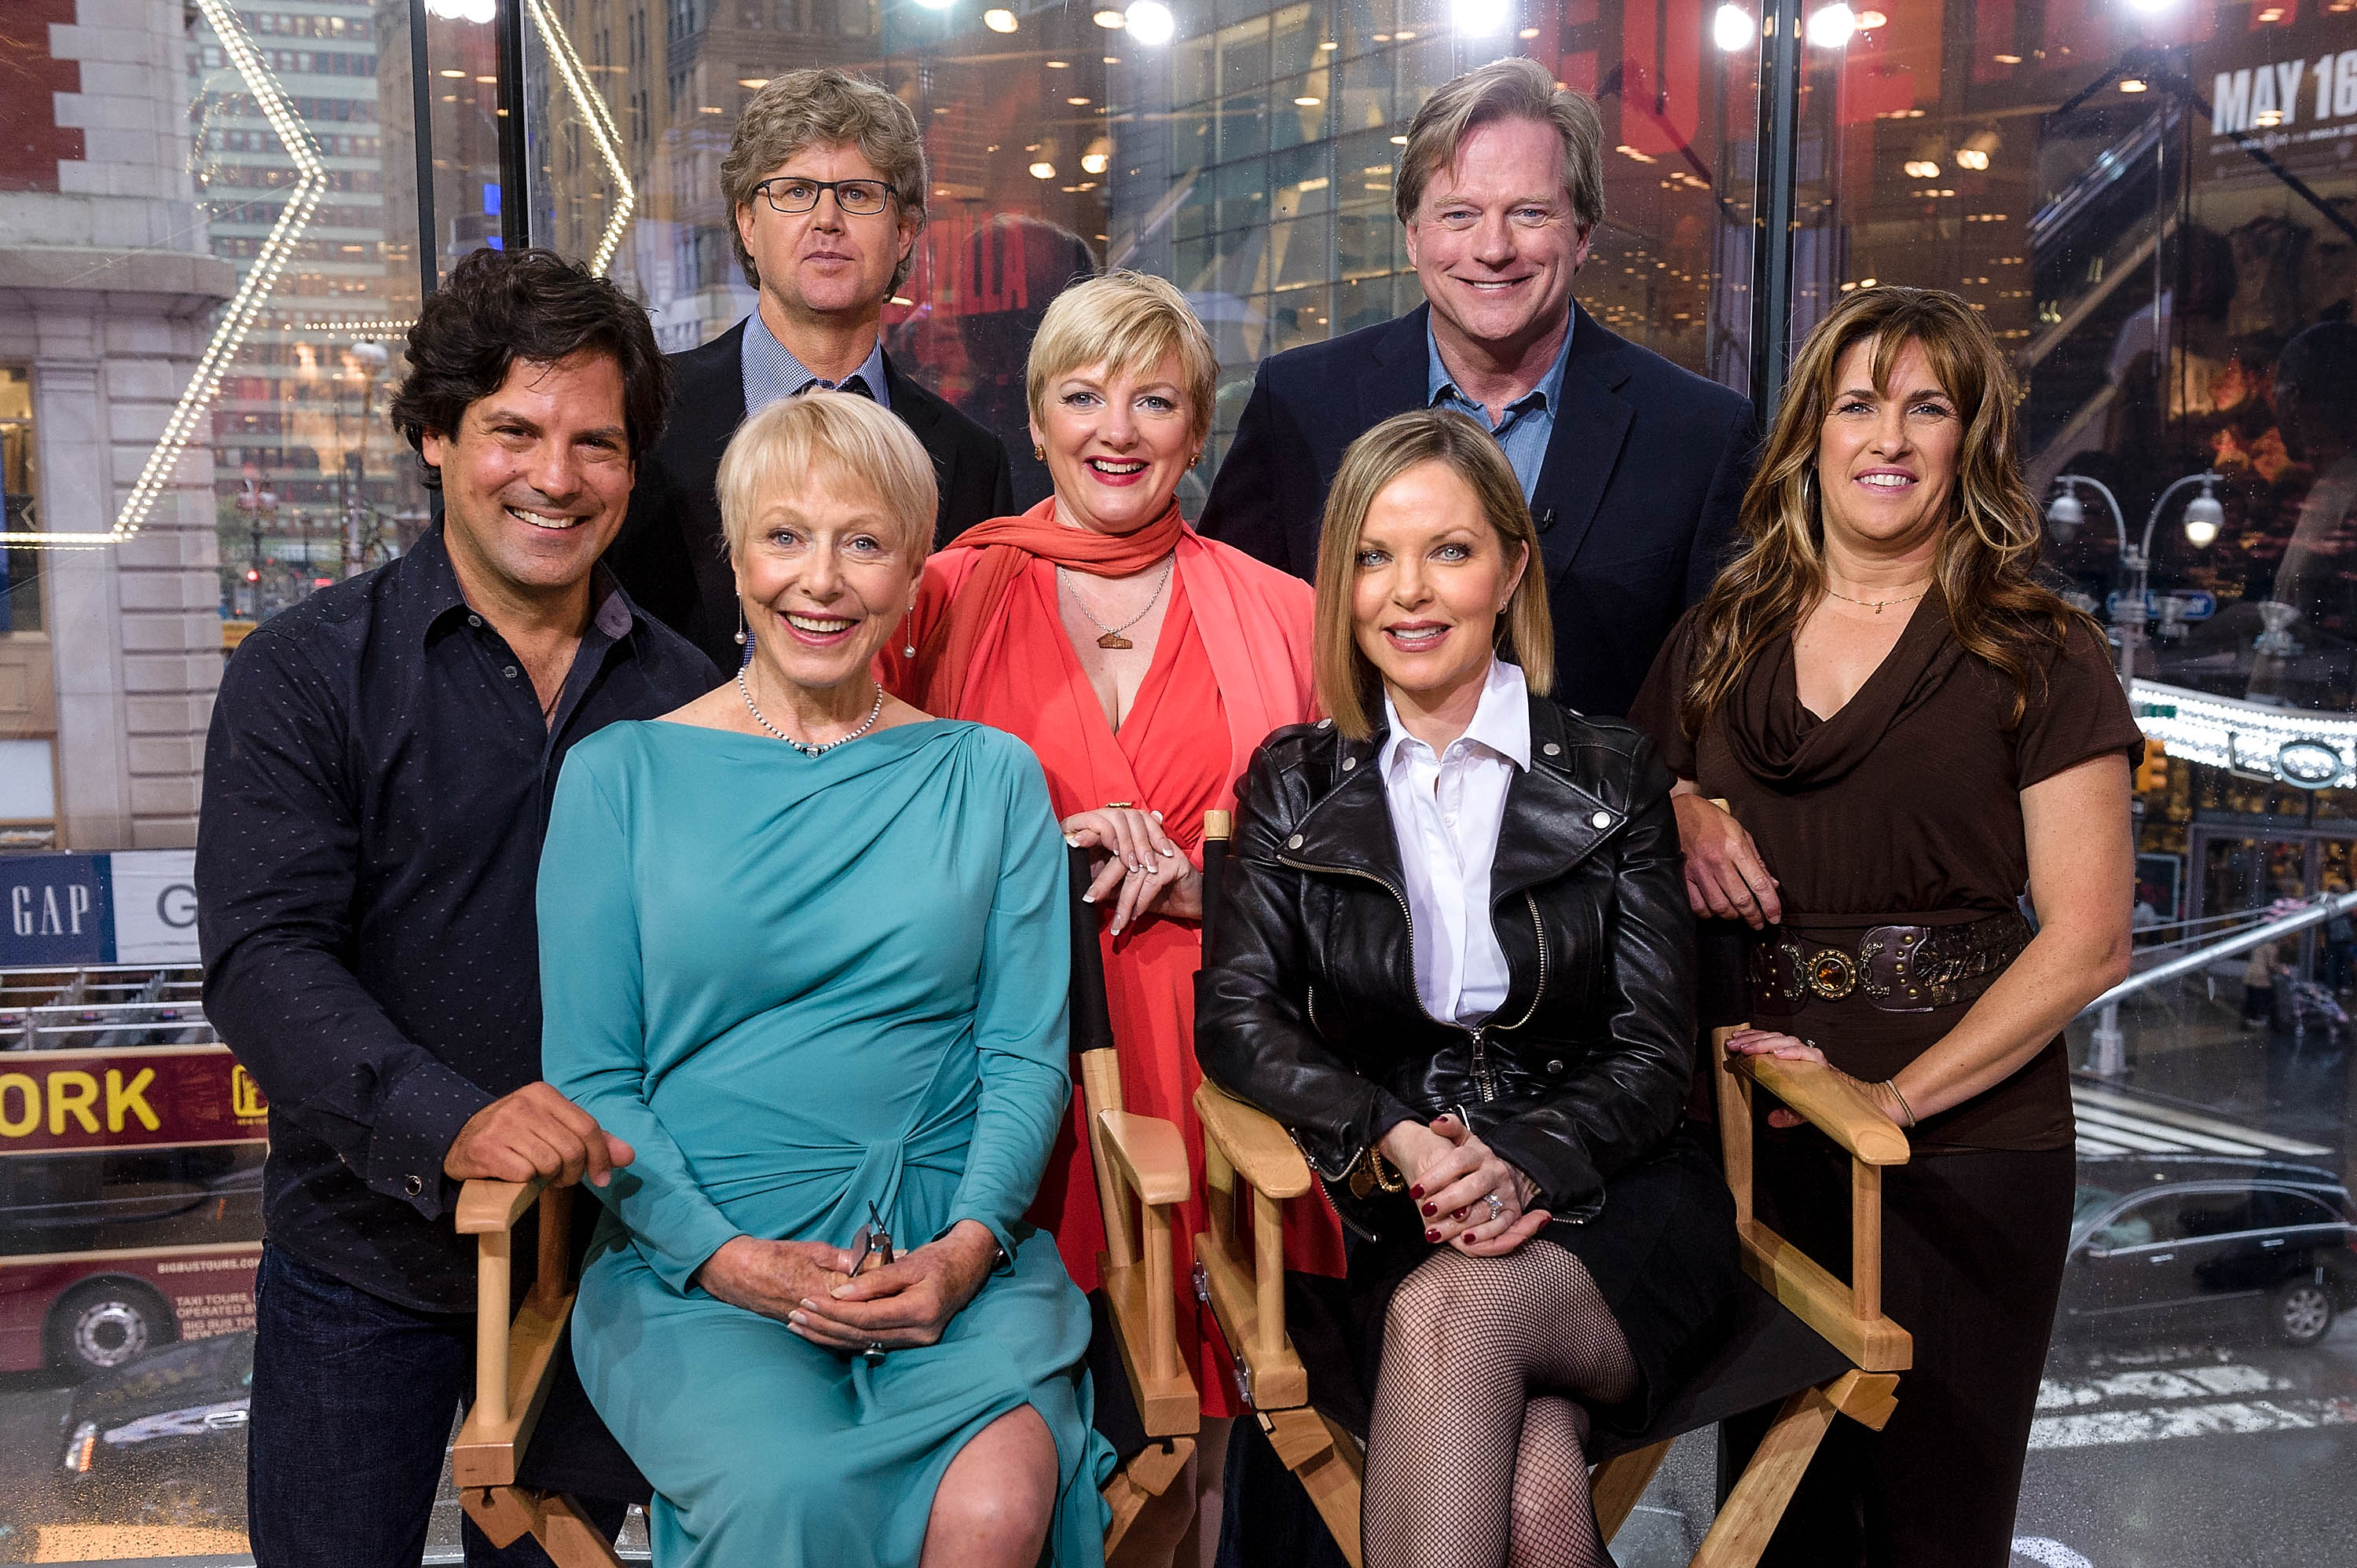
(859, 197)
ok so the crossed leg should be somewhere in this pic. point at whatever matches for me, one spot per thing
(1476, 1452)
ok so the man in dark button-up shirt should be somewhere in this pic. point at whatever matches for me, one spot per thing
(377, 782)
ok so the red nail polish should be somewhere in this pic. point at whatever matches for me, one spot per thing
(1430, 1209)
(1431, 1235)
(1415, 1192)
(1458, 1215)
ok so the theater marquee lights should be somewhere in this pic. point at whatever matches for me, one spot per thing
(2304, 749)
(576, 77)
(245, 305)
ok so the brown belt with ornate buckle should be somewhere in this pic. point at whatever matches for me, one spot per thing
(1898, 969)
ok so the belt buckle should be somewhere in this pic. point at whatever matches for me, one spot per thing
(1831, 973)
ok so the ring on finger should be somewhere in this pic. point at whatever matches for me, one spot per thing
(1497, 1206)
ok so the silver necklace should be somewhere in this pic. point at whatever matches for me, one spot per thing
(1876, 604)
(804, 747)
(1112, 634)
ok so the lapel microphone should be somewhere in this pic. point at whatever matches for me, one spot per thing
(1546, 520)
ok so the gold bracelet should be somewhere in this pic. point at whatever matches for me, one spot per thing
(1373, 1173)
(1892, 1084)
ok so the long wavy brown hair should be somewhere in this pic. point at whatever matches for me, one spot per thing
(1989, 543)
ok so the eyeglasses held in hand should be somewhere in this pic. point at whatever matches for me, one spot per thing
(873, 1245)
(790, 193)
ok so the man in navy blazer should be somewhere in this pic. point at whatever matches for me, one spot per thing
(825, 183)
(1634, 468)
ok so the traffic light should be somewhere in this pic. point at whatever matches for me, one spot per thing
(252, 575)
(2152, 773)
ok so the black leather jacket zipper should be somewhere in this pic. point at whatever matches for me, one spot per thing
(1485, 1081)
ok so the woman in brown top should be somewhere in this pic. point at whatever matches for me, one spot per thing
(1912, 731)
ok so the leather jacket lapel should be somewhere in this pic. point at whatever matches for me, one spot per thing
(1349, 828)
(1551, 823)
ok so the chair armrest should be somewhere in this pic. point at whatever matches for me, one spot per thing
(1255, 1145)
(514, 1357)
(1832, 1102)
(1145, 1153)
(484, 1207)
(1149, 1154)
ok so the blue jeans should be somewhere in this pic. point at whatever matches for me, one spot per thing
(353, 1398)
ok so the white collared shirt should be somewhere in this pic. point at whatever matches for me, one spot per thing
(1446, 811)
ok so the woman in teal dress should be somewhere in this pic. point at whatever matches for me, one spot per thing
(804, 949)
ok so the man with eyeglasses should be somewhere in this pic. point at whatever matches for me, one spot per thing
(825, 184)
(1633, 467)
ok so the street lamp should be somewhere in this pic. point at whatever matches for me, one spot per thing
(2107, 1055)
(2205, 515)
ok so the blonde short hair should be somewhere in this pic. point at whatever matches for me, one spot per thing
(1347, 683)
(1129, 323)
(1514, 88)
(835, 438)
(827, 108)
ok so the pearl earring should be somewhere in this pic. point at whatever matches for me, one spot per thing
(740, 623)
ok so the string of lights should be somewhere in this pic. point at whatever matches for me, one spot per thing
(2309, 750)
(253, 291)
(576, 78)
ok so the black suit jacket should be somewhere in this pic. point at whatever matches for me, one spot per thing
(670, 556)
(1636, 501)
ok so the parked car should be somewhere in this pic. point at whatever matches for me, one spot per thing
(161, 1440)
(2164, 1241)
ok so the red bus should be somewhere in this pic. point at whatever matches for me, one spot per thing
(130, 1151)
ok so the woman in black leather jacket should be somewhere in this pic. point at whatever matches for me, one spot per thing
(1454, 957)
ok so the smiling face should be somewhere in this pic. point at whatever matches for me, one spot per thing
(826, 264)
(1887, 457)
(1429, 579)
(825, 573)
(1117, 444)
(536, 478)
(1494, 242)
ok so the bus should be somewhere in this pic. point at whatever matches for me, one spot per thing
(131, 1154)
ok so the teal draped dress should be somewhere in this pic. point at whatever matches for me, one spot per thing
(795, 985)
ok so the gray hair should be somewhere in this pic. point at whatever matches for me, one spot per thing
(823, 108)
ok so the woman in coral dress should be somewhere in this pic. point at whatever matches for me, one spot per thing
(1143, 664)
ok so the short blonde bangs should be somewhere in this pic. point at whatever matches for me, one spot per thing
(1128, 322)
(1349, 687)
(842, 441)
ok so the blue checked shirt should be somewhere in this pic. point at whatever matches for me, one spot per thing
(771, 372)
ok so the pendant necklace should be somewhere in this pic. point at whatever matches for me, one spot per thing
(803, 746)
(1876, 604)
(1112, 634)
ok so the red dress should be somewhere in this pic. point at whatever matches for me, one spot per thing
(1171, 755)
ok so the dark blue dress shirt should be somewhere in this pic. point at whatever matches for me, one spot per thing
(377, 781)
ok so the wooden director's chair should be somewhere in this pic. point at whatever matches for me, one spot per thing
(1147, 1404)
(1799, 1335)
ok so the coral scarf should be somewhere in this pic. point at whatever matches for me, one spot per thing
(1261, 656)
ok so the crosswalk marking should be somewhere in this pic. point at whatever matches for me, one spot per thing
(2112, 1122)
(2156, 1424)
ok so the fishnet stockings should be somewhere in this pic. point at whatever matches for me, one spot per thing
(1475, 1451)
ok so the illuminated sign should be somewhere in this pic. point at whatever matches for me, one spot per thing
(180, 1095)
(2305, 749)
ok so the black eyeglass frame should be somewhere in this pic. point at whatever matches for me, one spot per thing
(820, 188)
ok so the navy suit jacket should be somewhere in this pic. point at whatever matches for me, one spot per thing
(1636, 501)
(670, 556)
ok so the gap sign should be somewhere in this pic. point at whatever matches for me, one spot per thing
(137, 907)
